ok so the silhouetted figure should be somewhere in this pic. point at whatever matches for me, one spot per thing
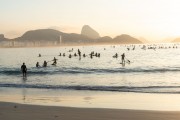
(24, 69)
(99, 55)
(75, 54)
(45, 64)
(59, 54)
(133, 48)
(79, 53)
(84, 55)
(115, 56)
(37, 65)
(123, 58)
(39, 55)
(71, 50)
(64, 55)
(91, 55)
(70, 55)
(55, 61)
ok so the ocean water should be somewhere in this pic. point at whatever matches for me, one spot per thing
(149, 71)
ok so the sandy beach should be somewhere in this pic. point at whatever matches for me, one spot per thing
(14, 111)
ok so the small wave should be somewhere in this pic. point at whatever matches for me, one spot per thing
(146, 89)
(49, 71)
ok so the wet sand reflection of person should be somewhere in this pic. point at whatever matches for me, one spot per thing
(24, 91)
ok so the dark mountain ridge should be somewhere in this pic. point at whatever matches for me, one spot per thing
(89, 32)
(55, 37)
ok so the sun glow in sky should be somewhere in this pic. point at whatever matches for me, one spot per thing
(151, 19)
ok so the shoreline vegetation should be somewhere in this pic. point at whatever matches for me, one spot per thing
(14, 111)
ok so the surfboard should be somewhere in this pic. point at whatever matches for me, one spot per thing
(53, 64)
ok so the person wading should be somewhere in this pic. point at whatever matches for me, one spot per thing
(24, 69)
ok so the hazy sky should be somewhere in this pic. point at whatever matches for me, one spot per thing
(151, 19)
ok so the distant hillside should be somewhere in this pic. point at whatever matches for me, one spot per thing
(122, 39)
(76, 38)
(176, 40)
(142, 39)
(50, 35)
(40, 34)
(126, 39)
(105, 39)
(89, 32)
(2, 38)
(44, 37)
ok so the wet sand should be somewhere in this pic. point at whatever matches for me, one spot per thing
(13, 111)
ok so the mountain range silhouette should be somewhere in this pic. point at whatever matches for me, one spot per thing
(88, 36)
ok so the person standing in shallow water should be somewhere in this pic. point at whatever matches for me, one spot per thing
(123, 58)
(45, 64)
(37, 65)
(79, 53)
(24, 69)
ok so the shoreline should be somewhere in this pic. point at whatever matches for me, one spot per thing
(91, 99)
(64, 45)
(76, 45)
(92, 44)
(16, 111)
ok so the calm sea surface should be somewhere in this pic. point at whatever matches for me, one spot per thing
(150, 71)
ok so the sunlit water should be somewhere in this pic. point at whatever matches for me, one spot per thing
(150, 71)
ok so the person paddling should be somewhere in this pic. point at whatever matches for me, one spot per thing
(55, 61)
(79, 53)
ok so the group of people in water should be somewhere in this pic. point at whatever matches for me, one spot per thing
(91, 55)
(24, 68)
(78, 54)
(45, 63)
(96, 54)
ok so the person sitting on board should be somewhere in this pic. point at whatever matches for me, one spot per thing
(55, 61)
(115, 56)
